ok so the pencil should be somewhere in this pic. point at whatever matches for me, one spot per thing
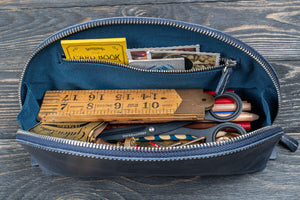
(243, 117)
(221, 100)
(224, 101)
(214, 92)
(203, 125)
(231, 107)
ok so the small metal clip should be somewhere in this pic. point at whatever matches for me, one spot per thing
(226, 74)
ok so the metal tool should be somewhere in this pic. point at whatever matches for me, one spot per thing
(169, 128)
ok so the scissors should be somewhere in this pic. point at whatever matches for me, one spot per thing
(210, 115)
(169, 128)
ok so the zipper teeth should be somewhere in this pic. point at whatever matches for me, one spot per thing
(146, 70)
(144, 149)
(187, 26)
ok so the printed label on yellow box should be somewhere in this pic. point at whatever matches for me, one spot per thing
(110, 49)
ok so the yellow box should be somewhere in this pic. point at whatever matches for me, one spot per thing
(110, 49)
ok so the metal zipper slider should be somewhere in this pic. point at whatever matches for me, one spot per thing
(226, 74)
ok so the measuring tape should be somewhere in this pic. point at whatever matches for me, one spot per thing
(151, 105)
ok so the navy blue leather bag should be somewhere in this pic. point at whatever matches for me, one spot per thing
(253, 79)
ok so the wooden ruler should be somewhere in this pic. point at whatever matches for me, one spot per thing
(151, 105)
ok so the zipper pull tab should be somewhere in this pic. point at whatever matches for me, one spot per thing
(289, 142)
(226, 74)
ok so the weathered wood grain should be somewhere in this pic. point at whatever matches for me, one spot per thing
(92, 3)
(289, 74)
(280, 180)
(271, 27)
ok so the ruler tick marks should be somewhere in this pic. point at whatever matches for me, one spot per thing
(124, 105)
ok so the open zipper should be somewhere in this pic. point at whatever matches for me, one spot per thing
(61, 145)
(224, 64)
(154, 21)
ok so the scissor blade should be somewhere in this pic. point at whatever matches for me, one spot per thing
(122, 133)
(157, 129)
(141, 131)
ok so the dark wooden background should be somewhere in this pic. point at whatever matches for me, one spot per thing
(271, 27)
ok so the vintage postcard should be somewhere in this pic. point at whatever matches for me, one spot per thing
(159, 64)
(198, 60)
(143, 53)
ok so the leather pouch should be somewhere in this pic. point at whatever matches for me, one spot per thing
(253, 78)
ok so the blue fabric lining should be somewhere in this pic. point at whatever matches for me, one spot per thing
(46, 71)
(29, 110)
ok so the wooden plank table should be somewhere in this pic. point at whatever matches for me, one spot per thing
(271, 27)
